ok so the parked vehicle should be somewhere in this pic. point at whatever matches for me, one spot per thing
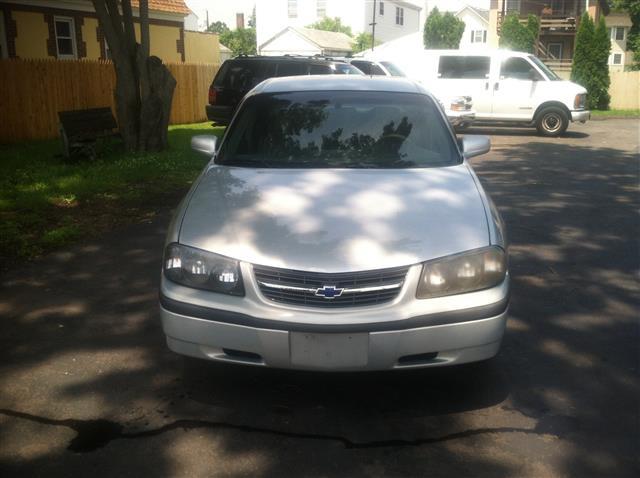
(459, 109)
(339, 226)
(238, 75)
(506, 86)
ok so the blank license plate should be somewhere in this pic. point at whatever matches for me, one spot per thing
(329, 350)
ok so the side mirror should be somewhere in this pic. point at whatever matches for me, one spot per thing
(473, 145)
(204, 144)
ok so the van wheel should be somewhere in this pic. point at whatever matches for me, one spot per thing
(552, 121)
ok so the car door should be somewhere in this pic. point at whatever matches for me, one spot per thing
(460, 75)
(515, 89)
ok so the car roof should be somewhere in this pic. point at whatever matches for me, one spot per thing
(338, 83)
(307, 59)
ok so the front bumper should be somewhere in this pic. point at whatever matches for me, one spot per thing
(405, 333)
(581, 116)
(456, 118)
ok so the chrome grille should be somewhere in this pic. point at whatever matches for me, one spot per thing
(350, 289)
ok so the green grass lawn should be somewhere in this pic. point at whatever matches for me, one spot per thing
(625, 113)
(47, 202)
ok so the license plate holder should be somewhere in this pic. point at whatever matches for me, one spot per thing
(329, 351)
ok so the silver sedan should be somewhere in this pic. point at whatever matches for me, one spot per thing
(337, 226)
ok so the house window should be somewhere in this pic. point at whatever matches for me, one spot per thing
(65, 37)
(292, 8)
(619, 32)
(399, 16)
(381, 8)
(478, 36)
(321, 8)
(555, 50)
(513, 6)
(617, 58)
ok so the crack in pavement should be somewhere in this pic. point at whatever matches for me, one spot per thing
(94, 434)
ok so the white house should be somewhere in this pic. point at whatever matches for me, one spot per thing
(476, 26)
(393, 18)
(308, 42)
(619, 25)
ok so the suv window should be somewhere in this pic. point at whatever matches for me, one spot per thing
(339, 129)
(464, 67)
(319, 70)
(518, 69)
(363, 66)
(243, 74)
(293, 68)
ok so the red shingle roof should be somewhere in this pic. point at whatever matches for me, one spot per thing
(168, 6)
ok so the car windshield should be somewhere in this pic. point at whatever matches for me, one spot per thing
(545, 69)
(393, 68)
(339, 129)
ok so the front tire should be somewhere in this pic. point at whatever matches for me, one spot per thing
(552, 121)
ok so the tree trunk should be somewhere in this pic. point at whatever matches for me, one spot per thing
(156, 105)
(144, 86)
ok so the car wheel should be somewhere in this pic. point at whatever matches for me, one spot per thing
(552, 121)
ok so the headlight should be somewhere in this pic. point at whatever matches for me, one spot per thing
(462, 273)
(461, 103)
(580, 101)
(202, 270)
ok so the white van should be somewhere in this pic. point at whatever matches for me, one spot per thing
(505, 86)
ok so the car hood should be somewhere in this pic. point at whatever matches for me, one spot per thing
(335, 220)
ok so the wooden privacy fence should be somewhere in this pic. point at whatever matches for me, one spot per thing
(33, 91)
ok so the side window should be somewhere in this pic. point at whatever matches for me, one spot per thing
(243, 75)
(376, 70)
(464, 67)
(518, 69)
(292, 68)
(363, 66)
(319, 70)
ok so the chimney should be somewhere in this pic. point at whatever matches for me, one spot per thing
(239, 20)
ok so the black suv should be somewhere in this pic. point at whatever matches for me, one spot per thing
(239, 75)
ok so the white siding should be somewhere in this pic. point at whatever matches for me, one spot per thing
(472, 23)
(386, 27)
(272, 17)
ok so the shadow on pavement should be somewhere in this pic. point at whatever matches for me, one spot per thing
(81, 342)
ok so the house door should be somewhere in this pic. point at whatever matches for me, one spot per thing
(4, 52)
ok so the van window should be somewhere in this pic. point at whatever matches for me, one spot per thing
(319, 70)
(368, 68)
(464, 67)
(292, 68)
(242, 75)
(518, 69)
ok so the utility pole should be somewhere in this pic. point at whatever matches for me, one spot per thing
(207, 19)
(373, 27)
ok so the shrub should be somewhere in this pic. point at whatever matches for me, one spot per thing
(516, 36)
(443, 31)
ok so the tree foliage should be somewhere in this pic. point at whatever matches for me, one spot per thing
(144, 86)
(516, 36)
(218, 27)
(442, 31)
(241, 41)
(363, 41)
(590, 68)
(331, 25)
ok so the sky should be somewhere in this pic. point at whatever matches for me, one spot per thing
(225, 10)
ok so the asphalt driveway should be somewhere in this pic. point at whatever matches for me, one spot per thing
(88, 388)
